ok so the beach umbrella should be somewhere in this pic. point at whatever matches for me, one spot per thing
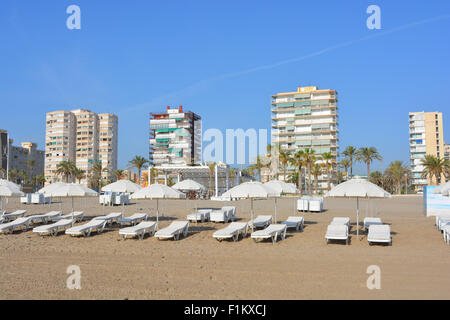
(9, 189)
(189, 185)
(282, 187)
(156, 192)
(251, 190)
(69, 190)
(122, 186)
(357, 188)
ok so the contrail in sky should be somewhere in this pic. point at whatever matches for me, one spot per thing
(203, 83)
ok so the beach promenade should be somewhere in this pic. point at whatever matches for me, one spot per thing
(302, 266)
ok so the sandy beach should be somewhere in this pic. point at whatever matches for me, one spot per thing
(302, 266)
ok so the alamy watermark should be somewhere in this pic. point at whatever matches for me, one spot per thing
(74, 280)
(234, 143)
(374, 280)
(374, 20)
(74, 20)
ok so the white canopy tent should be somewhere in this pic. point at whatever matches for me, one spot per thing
(156, 192)
(64, 190)
(122, 186)
(9, 189)
(251, 190)
(357, 188)
(189, 185)
(282, 187)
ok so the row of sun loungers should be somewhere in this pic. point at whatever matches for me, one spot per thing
(7, 217)
(339, 229)
(225, 214)
(443, 225)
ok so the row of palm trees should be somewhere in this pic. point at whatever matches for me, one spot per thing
(25, 176)
(436, 167)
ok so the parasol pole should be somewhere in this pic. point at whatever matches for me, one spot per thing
(251, 211)
(357, 217)
(276, 210)
(157, 212)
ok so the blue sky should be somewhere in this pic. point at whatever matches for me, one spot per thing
(136, 57)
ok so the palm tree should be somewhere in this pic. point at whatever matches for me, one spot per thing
(211, 166)
(298, 161)
(378, 178)
(328, 157)
(396, 172)
(31, 165)
(350, 152)
(118, 174)
(233, 173)
(97, 176)
(40, 180)
(368, 155)
(65, 169)
(284, 157)
(293, 178)
(310, 160)
(153, 174)
(139, 163)
(434, 166)
(79, 174)
(345, 164)
(257, 166)
(316, 172)
(13, 175)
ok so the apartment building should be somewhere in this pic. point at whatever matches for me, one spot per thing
(24, 158)
(87, 139)
(82, 137)
(426, 137)
(175, 138)
(108, 143)
(447, 152)
(306, 118)
(60, 142)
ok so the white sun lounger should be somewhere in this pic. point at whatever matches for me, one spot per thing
(446, 232)
(379, 233)
(441, 221)
(295, 222)
(86, 229)
(261, 221)
(55, 228)
(45, 218)
(174, 231)
(231, 212)
(337, 232)
(133, 219)
(77, 216)
(271, 232)
(139, 230)
(201, 215)
(221, 215)
(232, 231)
(341, 221)
(20, 223)
(14, 215)
(111, 218)
(369, 221)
